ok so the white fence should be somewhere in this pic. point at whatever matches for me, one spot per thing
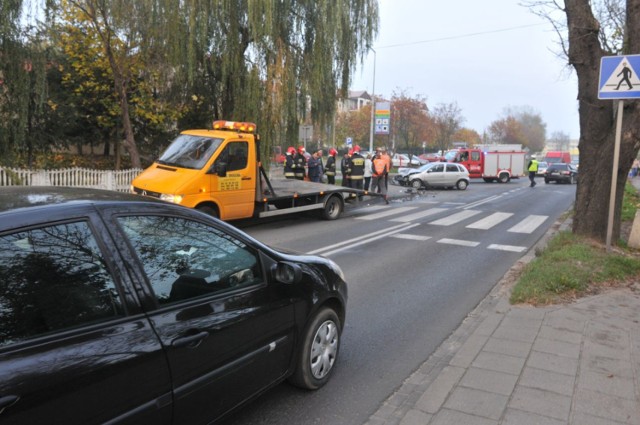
(73, 177)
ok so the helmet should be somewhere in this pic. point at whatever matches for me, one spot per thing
(332, 151)
(356, 148)
(291, 150)
(301, 149)
(350, 151)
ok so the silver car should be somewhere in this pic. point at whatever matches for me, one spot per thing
(441, 174)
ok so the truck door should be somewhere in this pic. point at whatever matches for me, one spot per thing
(233, 180)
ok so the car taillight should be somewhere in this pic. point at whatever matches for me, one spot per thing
(566, 172)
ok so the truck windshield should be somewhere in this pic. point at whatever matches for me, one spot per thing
(188, 151)
(450, 156)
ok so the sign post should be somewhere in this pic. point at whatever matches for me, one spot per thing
(618, 80)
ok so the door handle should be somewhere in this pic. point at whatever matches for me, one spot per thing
(191, 341)
(246, 178)
(7, 401)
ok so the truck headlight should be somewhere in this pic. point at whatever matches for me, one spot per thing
(175, 199)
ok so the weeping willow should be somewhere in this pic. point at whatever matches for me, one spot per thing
(274, 62)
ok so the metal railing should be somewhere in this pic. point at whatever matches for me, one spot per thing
(119, 180)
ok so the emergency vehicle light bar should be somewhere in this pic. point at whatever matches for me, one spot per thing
(245, 127)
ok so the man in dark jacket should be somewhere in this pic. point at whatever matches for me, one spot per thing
(330, 168)
(357, 169)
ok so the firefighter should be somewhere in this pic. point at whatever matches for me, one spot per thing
(357, 168)
(330, 167)
(289, 163)
(300, 163)
(345, 168)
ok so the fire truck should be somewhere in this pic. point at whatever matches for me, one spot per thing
(499, 163)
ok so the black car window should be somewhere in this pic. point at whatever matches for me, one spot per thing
(53, 278)
(185, 259)
(437, 168)
(452, 168)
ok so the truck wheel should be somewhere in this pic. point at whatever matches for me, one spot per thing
(462, 184)
(332, 208)
(212, 211)
(503, 178)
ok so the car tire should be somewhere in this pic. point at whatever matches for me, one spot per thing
(332, 208)
(462, 184)
(207, 209)
(318, 351)
(416, 184)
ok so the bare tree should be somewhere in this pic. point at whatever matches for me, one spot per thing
(448, 119)
(589, 30)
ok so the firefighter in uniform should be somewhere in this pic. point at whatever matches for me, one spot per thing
(330, 167)
(300, 163)
(289, 163)
(345, 168)
(357, 169)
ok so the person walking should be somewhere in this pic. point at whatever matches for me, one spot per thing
(289, 164)
(357, 169)
(315, 170)
(368, 164)
(300, 164)
(330, 170)
(385, 155)
(379, 172)
(533, 169)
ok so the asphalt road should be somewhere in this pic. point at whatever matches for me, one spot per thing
(414, 273)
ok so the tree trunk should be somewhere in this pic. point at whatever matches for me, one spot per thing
(597, 122)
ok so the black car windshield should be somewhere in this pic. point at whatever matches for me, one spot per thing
(188, 151)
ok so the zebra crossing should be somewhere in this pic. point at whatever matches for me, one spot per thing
(454, 215)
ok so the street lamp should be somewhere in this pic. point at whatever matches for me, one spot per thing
(373, 101)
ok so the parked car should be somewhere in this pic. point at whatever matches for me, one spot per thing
(561, 173)
(542, 167)
(402, 160)
(402, 178)
(431, 157)
(440, 174)
(119, 308)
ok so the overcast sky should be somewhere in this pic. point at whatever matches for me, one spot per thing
(424, 47)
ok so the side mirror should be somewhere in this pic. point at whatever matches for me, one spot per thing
(285, 272)
(219, 168)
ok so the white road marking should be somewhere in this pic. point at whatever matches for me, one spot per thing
(386, 213)
(529, 224)
(411, 237)
(488, 222)
(418, 215)
(362, 240)
(459, 242)
(455, 218)
(510, 248)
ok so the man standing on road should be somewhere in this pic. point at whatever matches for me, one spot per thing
(533, 169)
(357, 169)
(331, 166)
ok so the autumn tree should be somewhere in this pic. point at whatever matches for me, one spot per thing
(521, 126)
(410, 122)
(467, 135)
(589, 30)
(354, 124)
(506, 130)
(448, 120)
(560, 140)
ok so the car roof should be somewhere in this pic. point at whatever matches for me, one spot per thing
(16, 197)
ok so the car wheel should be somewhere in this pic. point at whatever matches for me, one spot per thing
(416, 184)
(332, 208)
(462, 184)
(319, 350)
(212, 211)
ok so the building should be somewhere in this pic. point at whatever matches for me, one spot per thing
(354, 101)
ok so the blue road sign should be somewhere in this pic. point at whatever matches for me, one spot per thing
(619, 77)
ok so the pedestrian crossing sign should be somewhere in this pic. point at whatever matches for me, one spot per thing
(619, 77)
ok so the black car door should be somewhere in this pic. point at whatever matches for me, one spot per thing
(75, 347)
(228, 332)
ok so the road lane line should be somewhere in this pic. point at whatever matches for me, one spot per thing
(529, 224)
(390, 211)
(483, 201)
(411, 237)
(368, 240)
(455, 218)
(488, 222)
(368, 235)
(459, 242)
(510, 248)
(418, 215)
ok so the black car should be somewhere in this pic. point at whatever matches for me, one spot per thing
(118, 309)
(561, 173)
